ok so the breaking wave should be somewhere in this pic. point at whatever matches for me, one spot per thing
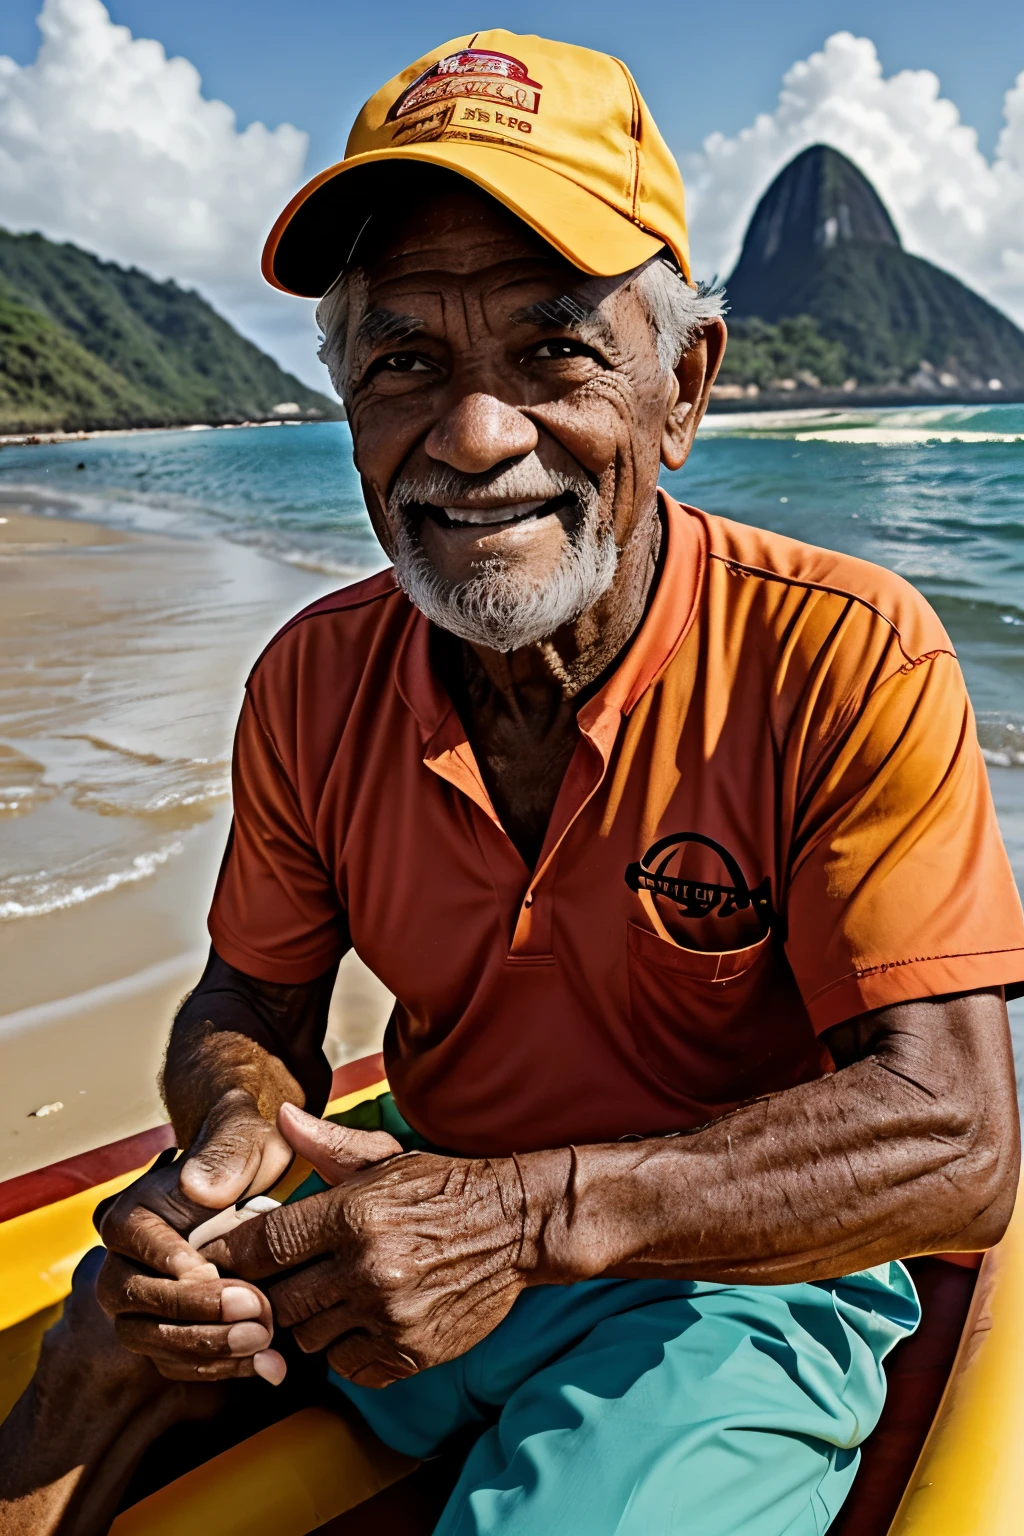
(47, 891)
(1002, 740)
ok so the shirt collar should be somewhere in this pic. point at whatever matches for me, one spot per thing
(668, 618)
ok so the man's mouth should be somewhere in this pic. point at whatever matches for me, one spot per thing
(503, 515)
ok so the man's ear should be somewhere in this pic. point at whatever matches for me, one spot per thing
(695, 373)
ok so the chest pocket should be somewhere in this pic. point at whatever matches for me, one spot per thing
(717, 1028)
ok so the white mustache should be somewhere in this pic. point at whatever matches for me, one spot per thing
(525, 481)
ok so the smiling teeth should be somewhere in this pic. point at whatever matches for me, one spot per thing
(487, 515)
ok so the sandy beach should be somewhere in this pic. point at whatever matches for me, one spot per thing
(124, 657)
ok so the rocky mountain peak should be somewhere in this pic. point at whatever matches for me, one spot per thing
(822, 254)
(819, 200)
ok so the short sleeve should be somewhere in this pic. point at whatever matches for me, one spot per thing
(900, 887)
(276, 913)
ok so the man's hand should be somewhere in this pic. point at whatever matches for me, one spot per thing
(418, 1252)
(168, 1302)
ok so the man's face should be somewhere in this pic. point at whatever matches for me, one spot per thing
(508, 417)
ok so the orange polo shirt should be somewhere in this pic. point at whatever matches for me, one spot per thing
(776, 818)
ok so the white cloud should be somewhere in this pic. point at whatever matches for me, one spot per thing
(950, 203)
(107, 142)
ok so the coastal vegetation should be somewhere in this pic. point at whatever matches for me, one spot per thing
(87, 344)
(762, 355)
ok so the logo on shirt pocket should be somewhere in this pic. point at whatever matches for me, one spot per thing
(678, 873)
(714, 1009)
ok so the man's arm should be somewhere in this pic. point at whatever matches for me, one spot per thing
(911, 1148)
(240, 1049)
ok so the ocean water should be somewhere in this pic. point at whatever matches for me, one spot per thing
(115, 718)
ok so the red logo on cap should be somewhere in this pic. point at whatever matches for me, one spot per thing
(495, 77)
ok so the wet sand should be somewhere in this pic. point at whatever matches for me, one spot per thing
(21, 534)
(124, 657)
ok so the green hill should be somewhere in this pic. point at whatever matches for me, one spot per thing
(85, 343)
(821, 245)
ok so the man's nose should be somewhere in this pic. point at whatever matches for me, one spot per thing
(480, 432)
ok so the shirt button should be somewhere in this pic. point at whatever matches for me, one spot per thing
(529, 899)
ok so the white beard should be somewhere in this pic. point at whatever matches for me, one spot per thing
(501, 607)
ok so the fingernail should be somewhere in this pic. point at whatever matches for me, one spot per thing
(270, 1365)
(236, 1303)
(247, 1338)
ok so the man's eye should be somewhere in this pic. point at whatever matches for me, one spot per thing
(403, 362)
(558, 351)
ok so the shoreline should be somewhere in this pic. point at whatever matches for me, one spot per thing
(23, 532)
(855, 399)
(44, 437)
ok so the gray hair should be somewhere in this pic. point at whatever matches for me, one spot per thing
(676, 312)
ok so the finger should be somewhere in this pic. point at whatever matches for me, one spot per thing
(122, 1288)
(178, 1368)
(318, 1332)
(282, 1238)
(371, 1362)
(237, 1152)
(238, 1302)
(166, 1157)
(194, 1341)
(334, 1150)
(268, 1364)
(313, 1289)
(142, 1235)
(149, 1221)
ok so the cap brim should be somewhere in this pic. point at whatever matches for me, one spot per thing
(315, 236)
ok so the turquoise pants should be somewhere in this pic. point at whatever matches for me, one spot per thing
(657, 1407)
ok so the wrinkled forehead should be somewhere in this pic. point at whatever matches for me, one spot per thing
(441, 247)
(457, 235)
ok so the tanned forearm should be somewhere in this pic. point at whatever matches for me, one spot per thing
(234, 1034)
(913, 1149)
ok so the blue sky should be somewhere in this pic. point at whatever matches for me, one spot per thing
(94, 125)
(313, 62)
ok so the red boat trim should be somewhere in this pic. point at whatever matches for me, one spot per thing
(29, 1191)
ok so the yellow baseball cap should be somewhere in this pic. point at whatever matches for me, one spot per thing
(559, 134)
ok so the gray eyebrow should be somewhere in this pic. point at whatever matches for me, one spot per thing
(380, 324)
(567, 312)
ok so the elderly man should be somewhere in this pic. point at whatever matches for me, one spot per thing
(671, 838)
